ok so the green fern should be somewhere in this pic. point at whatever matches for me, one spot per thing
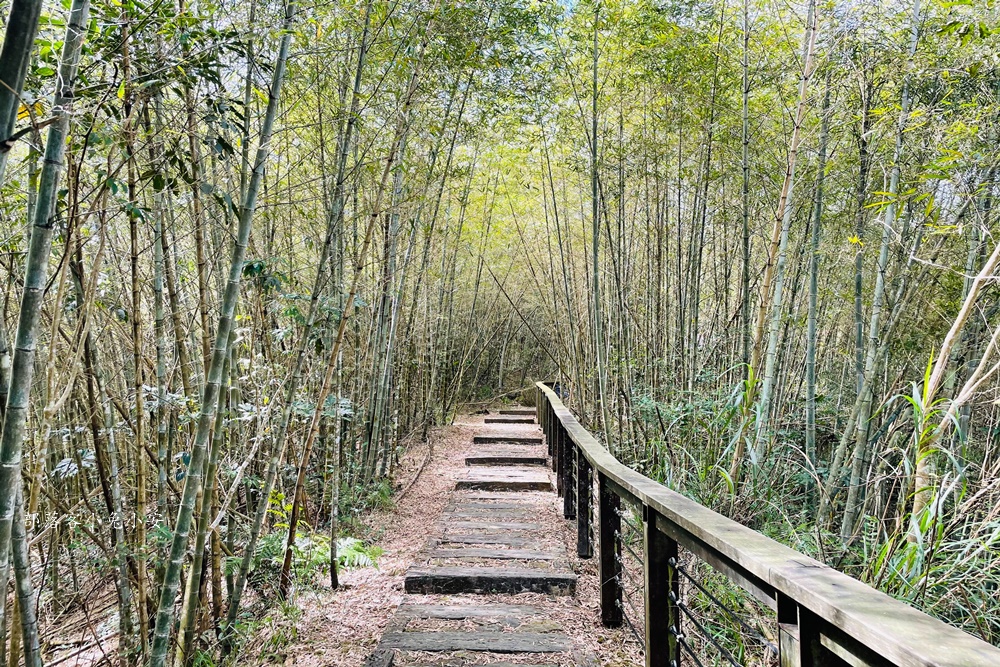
(352, 552)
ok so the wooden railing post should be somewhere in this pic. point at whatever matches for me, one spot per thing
(661, 592)
(554, 445)
(799, 638)
(584, 489)
(569, 477)
(549, 419)
(557, 458)
(609, 565)
(544, 420)
(539, 397)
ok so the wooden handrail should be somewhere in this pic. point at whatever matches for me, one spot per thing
(825, 617)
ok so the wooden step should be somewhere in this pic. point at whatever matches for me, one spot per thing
(505, 460)
(461, 611)
(495, 526)
(506, 540)
(485, 642)
(509, 420)
(526, 499)
(505, 479)
(497, 554)
(474, 663)
(488, 515)
(485, 506)
(520, 439)
(487, 580)
(524, 412)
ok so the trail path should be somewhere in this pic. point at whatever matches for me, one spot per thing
(493, 541)
(479, 567)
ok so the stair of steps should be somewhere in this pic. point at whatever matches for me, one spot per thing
(492, 539)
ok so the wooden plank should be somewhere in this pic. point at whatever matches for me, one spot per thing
(508, 540)
(504, 485)
(501, 471)
(528, 499)
(903, 636)
(487, 642)
(509, 420)
(526, 412)
(473, 663)
(460, 611)
(789, 652)
(505, 460)
(473, 506)
(452, 580)
(487, 525)
(521, 439)
(505, 479)
(495, 515)
(497, 554)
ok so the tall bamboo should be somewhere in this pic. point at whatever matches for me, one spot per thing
(402, 126)
(35, 278)
(335, 220)
(814, 260)
(15, 56)
(854, 496)
(777, 257)
(193, 480)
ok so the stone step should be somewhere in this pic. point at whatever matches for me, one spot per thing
(497, 554)
(505, 479)
(509, 420)
(505, 460)
(520, 439)
(486, 642)
(487, 580)
(520, 412)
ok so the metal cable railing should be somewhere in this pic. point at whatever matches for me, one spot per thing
(767, 644)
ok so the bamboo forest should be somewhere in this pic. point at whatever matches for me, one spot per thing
(270, 268)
